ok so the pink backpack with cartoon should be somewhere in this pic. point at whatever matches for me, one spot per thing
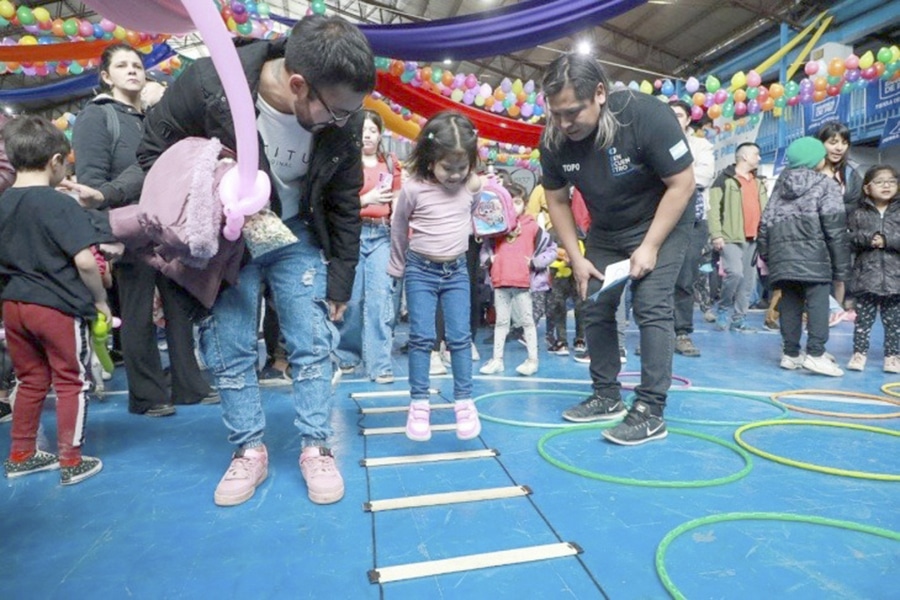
(493, 213)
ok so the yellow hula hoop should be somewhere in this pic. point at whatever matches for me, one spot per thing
(810, 466)
(776, 397)
(889, 389)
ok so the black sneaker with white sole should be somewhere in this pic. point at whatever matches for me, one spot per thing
(639, 426)
(595, 408)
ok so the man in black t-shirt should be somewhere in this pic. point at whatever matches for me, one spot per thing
(627, 155)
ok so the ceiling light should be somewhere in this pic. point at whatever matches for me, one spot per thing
(583, 47)
(448, 61)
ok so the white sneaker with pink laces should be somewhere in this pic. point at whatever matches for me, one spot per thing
(468, 425)
(418, 421)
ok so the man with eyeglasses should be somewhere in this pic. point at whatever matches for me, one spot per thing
(627, 155)
(308, 89)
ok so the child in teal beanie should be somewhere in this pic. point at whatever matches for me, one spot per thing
(803, 239)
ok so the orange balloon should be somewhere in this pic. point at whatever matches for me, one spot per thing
(426, 73)
(514, 110)
(175, 62)
(57, 28)
(776, 91)
(489, 101)
(132, 37)
(836, 67)
(819, 95)
(715, 111)
(820, 84)
(499, 94)
(396, 68)
(698, 98)
(768, 104)
(447, 78)
(740, 95)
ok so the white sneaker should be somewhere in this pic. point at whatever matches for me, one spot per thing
(792, 363)
(892, 364)
(475, 355)
(529, 367)
(437, 365)
(491, 367)
(822, 366)
(857, 362)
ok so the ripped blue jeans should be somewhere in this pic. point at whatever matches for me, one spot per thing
(296, 275)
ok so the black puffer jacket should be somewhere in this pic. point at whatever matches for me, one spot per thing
(803, 233)
(195, 105)
(876, 271)
(99, 162)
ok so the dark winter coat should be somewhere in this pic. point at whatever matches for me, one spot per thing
(876, 271)
(109, 167)
(853, 183)
(803, 232)
(195, 105)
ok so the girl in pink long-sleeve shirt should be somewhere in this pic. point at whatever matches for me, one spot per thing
(430, 231)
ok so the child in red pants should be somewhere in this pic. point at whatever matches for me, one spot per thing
(53, 290)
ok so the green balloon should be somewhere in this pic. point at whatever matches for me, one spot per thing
(752, 93)
(245, 28)
(436, 74)
(833, 79)
(712, 84)
(70, 26)
(26, 17)
(884, 54)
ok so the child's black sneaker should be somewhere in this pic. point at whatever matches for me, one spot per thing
(39, 461)
(88, 467)
(639, 426)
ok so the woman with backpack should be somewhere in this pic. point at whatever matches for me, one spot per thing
(105, 139)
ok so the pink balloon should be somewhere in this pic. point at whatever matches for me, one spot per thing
(753, 79)
(811, 68)
(851, 62)
(696, 113)
(248, 190)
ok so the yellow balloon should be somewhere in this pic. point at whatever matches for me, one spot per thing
(738, 80)
(517, 86)
(119, 32)
(866, 60)
(646, 87)
(408, 129)
(41, 14)
(7, 10)
(28, 40)
(896, 52)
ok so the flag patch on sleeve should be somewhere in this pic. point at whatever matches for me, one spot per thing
(678, 150)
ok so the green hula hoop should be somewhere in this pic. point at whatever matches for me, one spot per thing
(889, 389)
(669, 418)
(810, 466)
(538, 425)
(748, 462)
(753, 516)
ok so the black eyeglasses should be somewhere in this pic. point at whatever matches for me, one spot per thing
(334, 118)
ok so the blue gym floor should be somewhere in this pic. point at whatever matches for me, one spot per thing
(146, 527)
